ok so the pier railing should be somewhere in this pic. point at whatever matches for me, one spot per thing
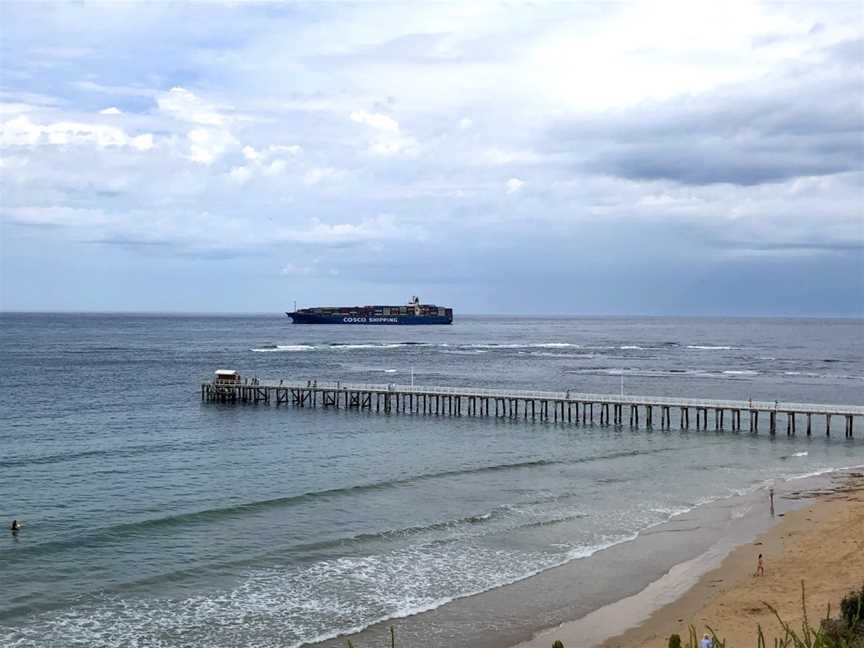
(564, 406)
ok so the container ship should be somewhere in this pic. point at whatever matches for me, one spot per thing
(413, 313)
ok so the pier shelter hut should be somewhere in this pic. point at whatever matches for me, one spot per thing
(226, 377)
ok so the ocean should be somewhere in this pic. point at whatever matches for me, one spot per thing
(153, 519)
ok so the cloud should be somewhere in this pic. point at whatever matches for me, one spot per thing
(319, 174)
(734, 132)
(115, 90)
(773, 129)
(264, 161)
(241, 174)
(23, 132)
(186, 106)
(389, 140)
(56, 216)
(514, 184)
(310, 268)
(377, 121)
(383, 227)
(207, 145)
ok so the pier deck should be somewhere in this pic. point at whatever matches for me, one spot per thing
(566, 407)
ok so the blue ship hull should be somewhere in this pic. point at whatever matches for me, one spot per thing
(414, 320)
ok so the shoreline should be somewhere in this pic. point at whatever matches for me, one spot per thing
(717, 588)
(615, 588)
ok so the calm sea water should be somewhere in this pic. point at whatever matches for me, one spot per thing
(155, 520)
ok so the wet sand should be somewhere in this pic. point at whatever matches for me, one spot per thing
(818, 537)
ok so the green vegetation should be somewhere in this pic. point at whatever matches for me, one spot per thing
(844, 632)
(852, 608)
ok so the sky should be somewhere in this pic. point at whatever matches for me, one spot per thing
(627, 158)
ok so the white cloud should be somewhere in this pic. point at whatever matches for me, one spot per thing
(318, 174)
(298, 269)
(186, 106)
(380, 228)
(240, 175)
(207, 145)
(251, 154)
(9, 108)
(264, 161)
(388, 139)
(514, 184)
(126, 91)
(142, 142)
(375, 120)
(394, 145)
(500, 157)
(21, 131)
(113, 110)
(465, 123)
(293, 149)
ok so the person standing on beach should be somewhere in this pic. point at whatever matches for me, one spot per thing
(760, 567)
(706, 642)
(771, 499)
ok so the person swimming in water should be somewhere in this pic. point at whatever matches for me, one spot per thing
(16, 525)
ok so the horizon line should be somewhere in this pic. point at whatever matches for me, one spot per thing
(178, 313)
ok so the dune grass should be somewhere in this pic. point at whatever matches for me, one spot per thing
(844, 632)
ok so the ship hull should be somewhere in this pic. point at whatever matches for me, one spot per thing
(367, 320)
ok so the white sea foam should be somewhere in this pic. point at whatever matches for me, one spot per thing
(285, 348)
(740, 513)
(819, 472)
(535, 345)
(741, 372)
(706, 347)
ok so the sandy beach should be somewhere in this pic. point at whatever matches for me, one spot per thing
(821, 544)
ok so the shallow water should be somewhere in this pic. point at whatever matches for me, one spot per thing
(152, 519)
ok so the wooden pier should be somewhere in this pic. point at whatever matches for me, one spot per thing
(562, 407)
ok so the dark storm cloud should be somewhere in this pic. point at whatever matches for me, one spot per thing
(805, 122)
